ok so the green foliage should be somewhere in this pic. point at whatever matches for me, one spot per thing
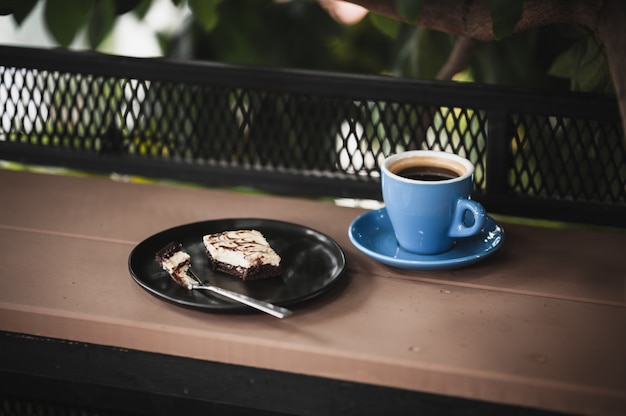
(101, 20)
(20, 9)
(140, 10)
(205, 12)
(295, 34)
(385, 25)
(583, 64)
(125, 6)
(64, 18)
(521, 60)
(410, 9)
(301, 34)
(423, 52)
(504, 16)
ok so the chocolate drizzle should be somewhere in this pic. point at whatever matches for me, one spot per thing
(250, 243)
(168, 251)
(175, 267)
(242, 253)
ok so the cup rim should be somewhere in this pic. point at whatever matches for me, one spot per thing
(469, 166)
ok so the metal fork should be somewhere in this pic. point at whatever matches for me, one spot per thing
(274, 310)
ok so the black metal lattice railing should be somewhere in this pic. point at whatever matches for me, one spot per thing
(16, 406)
(566, 158)
(545, 155)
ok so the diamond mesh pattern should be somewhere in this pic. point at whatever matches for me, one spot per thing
(294, 128)
(217, 125)
(568, 158)
(11, 406)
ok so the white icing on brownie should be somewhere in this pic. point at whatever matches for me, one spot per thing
(176, 263)
(241, 248)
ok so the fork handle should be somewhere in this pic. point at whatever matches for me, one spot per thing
(274, 310)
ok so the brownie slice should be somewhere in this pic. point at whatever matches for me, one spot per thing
(176, 262)
(245, 254)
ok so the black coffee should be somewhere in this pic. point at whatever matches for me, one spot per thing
(427, 173)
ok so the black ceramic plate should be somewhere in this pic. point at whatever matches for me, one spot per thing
(311, 262)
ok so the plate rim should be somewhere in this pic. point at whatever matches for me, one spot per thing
(234, 307)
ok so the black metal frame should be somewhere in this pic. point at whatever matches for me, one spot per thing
(513, 141)
(63, 377)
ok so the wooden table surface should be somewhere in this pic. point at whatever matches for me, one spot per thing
(541, 323)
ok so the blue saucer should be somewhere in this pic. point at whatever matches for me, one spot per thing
(372, 234)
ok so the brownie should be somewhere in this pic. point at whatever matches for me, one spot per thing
(245, 254)
(176, 262)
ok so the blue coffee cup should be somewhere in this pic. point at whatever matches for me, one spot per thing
(427, 197)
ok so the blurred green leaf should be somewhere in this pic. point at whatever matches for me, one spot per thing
(423, 53)
(562, 65)
(23, 9)
(504, 16)
(385, 25)
(100, 22)
(410, 9)
(124, 6)
(281, 34)
(20, 9)
(165, 41)
(5, 7)
(142, 8)
(205, 12)
(584, 64)
(64, 18)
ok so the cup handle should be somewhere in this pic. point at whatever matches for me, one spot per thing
(459, 228)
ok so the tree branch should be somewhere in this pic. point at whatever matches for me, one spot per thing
(471, 19)
(458, 59)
